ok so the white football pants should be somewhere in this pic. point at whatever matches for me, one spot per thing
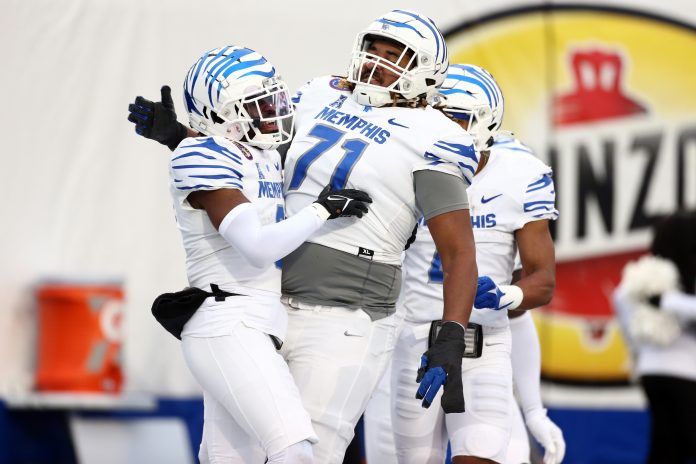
(336, 356)
(483, 430)
(252, 408)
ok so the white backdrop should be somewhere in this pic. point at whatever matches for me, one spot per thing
(84, 196)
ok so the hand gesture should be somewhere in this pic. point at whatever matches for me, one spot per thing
(157, 120)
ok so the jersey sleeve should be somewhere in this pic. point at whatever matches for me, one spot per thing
(458, 150)
(205, 163)
(539, 199)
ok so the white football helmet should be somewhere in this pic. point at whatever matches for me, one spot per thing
(470, 93)
(235, 92)
(420, 68)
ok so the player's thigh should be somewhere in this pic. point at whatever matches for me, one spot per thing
(377, 424)
(484, 429)
(419, 433)
(250, 380)
(337, 357)
(224, 440)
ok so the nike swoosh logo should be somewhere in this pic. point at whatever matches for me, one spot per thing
(348, 333)
(486, 200)
(503, 307)
(393, 122)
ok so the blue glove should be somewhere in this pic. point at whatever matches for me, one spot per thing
(442, 365)
(488, 294)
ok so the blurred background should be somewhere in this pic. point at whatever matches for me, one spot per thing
(603, 91)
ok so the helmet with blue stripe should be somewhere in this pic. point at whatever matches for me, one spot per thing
(470, 93)
(420, 68)
(236, 93)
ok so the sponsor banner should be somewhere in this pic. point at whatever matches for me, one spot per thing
(604, 96)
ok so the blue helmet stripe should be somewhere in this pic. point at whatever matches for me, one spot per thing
(214, 71)
(451, 91)
(218, 60)
(432, 28)
(240, 66)
(486, 80)
(475, 82)
(259, 73)
(404, 25)
(196, 73)
(231, 61)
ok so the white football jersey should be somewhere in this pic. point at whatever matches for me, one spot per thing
(349, 145)
(212, 163)
(514, 188)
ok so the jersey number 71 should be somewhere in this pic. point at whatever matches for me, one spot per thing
(328, 137)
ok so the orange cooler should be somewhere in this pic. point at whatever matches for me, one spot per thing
(79, 337)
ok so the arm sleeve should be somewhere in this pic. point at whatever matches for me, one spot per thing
(682, 305)
(262, 245)
(438, 192)
(526, 362)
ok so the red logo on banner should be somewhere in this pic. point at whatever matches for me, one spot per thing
(598, 93)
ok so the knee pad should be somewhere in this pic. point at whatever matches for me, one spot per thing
(481, 441)
(298, 453)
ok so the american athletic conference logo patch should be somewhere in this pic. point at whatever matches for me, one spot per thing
(245, 151)
(339, 83)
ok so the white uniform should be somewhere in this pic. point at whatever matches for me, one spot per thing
(377, 150)
(514, 188)
(252, 406)
(338, 352)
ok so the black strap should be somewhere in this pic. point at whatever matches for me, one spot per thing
(220, 295)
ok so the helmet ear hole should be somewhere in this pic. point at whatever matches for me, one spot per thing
(216, 119)
(430, 82)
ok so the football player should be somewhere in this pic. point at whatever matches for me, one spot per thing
(228, 202)
(370, 130)
(512, 200)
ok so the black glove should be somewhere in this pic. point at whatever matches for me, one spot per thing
(157, 121)
(442, 364)
(344, 202)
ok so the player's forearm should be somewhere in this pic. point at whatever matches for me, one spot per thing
(262, 245)
(537, 288)
(526, 362)
(459, 285)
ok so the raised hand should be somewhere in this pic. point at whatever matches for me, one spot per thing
(157, 120)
